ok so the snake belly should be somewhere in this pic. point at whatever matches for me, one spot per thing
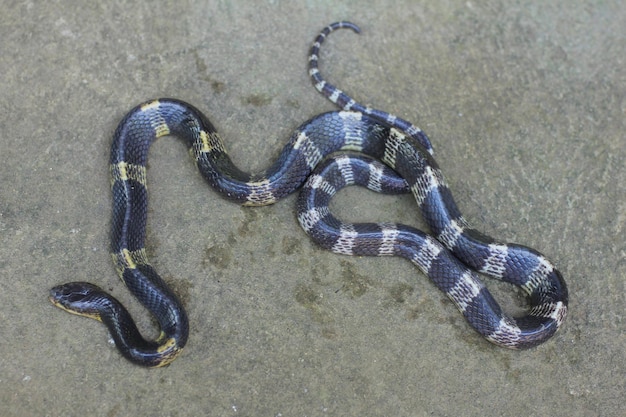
(380, 135)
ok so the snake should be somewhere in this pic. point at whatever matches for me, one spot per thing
(379, 151)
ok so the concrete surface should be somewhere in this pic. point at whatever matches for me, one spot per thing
(525, 104)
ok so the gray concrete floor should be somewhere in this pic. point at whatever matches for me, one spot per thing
(525, 103)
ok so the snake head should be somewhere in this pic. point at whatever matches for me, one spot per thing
(81, 298)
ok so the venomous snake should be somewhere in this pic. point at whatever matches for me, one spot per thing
(448, 257)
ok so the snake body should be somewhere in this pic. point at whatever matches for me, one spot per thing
(399, 144)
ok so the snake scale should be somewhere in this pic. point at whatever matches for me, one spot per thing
(450, 257)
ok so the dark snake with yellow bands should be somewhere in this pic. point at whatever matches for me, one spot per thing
(380, 135)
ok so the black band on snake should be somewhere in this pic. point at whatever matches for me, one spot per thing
(376, 136)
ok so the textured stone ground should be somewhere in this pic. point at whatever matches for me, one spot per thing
(525, 106)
